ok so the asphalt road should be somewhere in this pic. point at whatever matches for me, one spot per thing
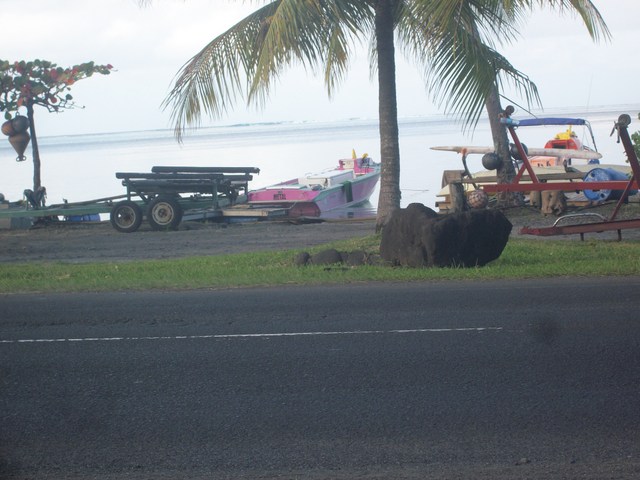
(532, 379)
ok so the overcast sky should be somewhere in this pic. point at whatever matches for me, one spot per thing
(147, 46)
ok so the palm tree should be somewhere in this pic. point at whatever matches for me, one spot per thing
(465, 70)
(321, 35)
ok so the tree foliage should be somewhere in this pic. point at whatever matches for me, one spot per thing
(41, 82)
(454, 42)
(459, 52)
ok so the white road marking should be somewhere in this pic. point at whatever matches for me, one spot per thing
(247, 335)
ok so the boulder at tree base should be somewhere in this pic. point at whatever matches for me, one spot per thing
(417, 236)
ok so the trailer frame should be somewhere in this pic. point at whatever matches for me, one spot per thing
(159, 196)
(607, 224)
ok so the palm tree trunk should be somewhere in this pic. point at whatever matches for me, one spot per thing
(389, 199)
(505, 171)
(34, 148)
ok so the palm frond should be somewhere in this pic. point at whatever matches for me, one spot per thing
(455, 41)
(588, 12)
(244, 61)
(212, 79)
(463, 71)
(318, 34)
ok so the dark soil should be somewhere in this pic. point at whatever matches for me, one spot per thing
(79, 243)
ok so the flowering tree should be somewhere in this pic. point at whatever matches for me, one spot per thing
(40, 82)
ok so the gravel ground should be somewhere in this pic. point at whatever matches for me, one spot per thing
(77, 243)
(80, 243)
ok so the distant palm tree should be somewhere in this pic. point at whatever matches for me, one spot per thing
(321, 35)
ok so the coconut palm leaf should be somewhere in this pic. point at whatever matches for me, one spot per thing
(455, 41)
(319, 34)
(244, 61)
(587, 11)
(462, 70)
(212, 79)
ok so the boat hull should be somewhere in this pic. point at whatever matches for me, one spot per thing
(314, 201)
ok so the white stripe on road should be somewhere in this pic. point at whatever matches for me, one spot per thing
(247, 335)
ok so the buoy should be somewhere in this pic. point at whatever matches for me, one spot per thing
(20, 124)
(477, 199)
(7, 128)
(16, 125)
(515, 153)
(490, 161)
(19, 142)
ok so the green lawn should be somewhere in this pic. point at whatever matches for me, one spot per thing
(520, 259)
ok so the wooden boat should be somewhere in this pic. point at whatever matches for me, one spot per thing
(350, 184)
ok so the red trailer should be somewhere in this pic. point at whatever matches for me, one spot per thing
(606, 224)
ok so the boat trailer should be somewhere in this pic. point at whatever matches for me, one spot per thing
(606, 224)
(213, 193)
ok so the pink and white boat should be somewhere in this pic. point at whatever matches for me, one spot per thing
(348, 185)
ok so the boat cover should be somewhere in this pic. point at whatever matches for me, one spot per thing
(529, 122)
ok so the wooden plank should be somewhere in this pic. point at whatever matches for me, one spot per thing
(581, 228)
(182, 169)
(568, 186)
(556, 176)
(169, 176)
(254, 212)
(532, 151)
(450, 176)
(54, 212)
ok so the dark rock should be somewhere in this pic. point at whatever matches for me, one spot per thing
(326, 257)
(418, 237)
(401, 238)
(356, 258)
(376, 260)
(301, 259)
(466, 239)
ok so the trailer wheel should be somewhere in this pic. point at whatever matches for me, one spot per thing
(126, 216)
(165, 213)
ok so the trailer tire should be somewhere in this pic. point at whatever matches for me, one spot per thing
(126, 216)
(164, 213)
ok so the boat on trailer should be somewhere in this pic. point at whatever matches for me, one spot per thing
(350, 184)
(567, 140)
(564, 157)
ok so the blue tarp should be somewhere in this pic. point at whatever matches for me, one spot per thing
(529, 122)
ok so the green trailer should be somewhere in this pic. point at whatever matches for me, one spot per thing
(165, 197)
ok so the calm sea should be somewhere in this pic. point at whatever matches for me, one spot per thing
(82, 167)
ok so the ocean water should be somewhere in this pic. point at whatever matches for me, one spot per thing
(83, 167)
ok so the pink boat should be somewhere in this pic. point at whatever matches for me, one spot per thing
(348, 185)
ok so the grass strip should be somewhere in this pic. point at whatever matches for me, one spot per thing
(520, 259)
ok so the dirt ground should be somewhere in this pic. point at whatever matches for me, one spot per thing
(79, 243)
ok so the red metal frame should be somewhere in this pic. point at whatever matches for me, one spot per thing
(537, 185)
(611, 223)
